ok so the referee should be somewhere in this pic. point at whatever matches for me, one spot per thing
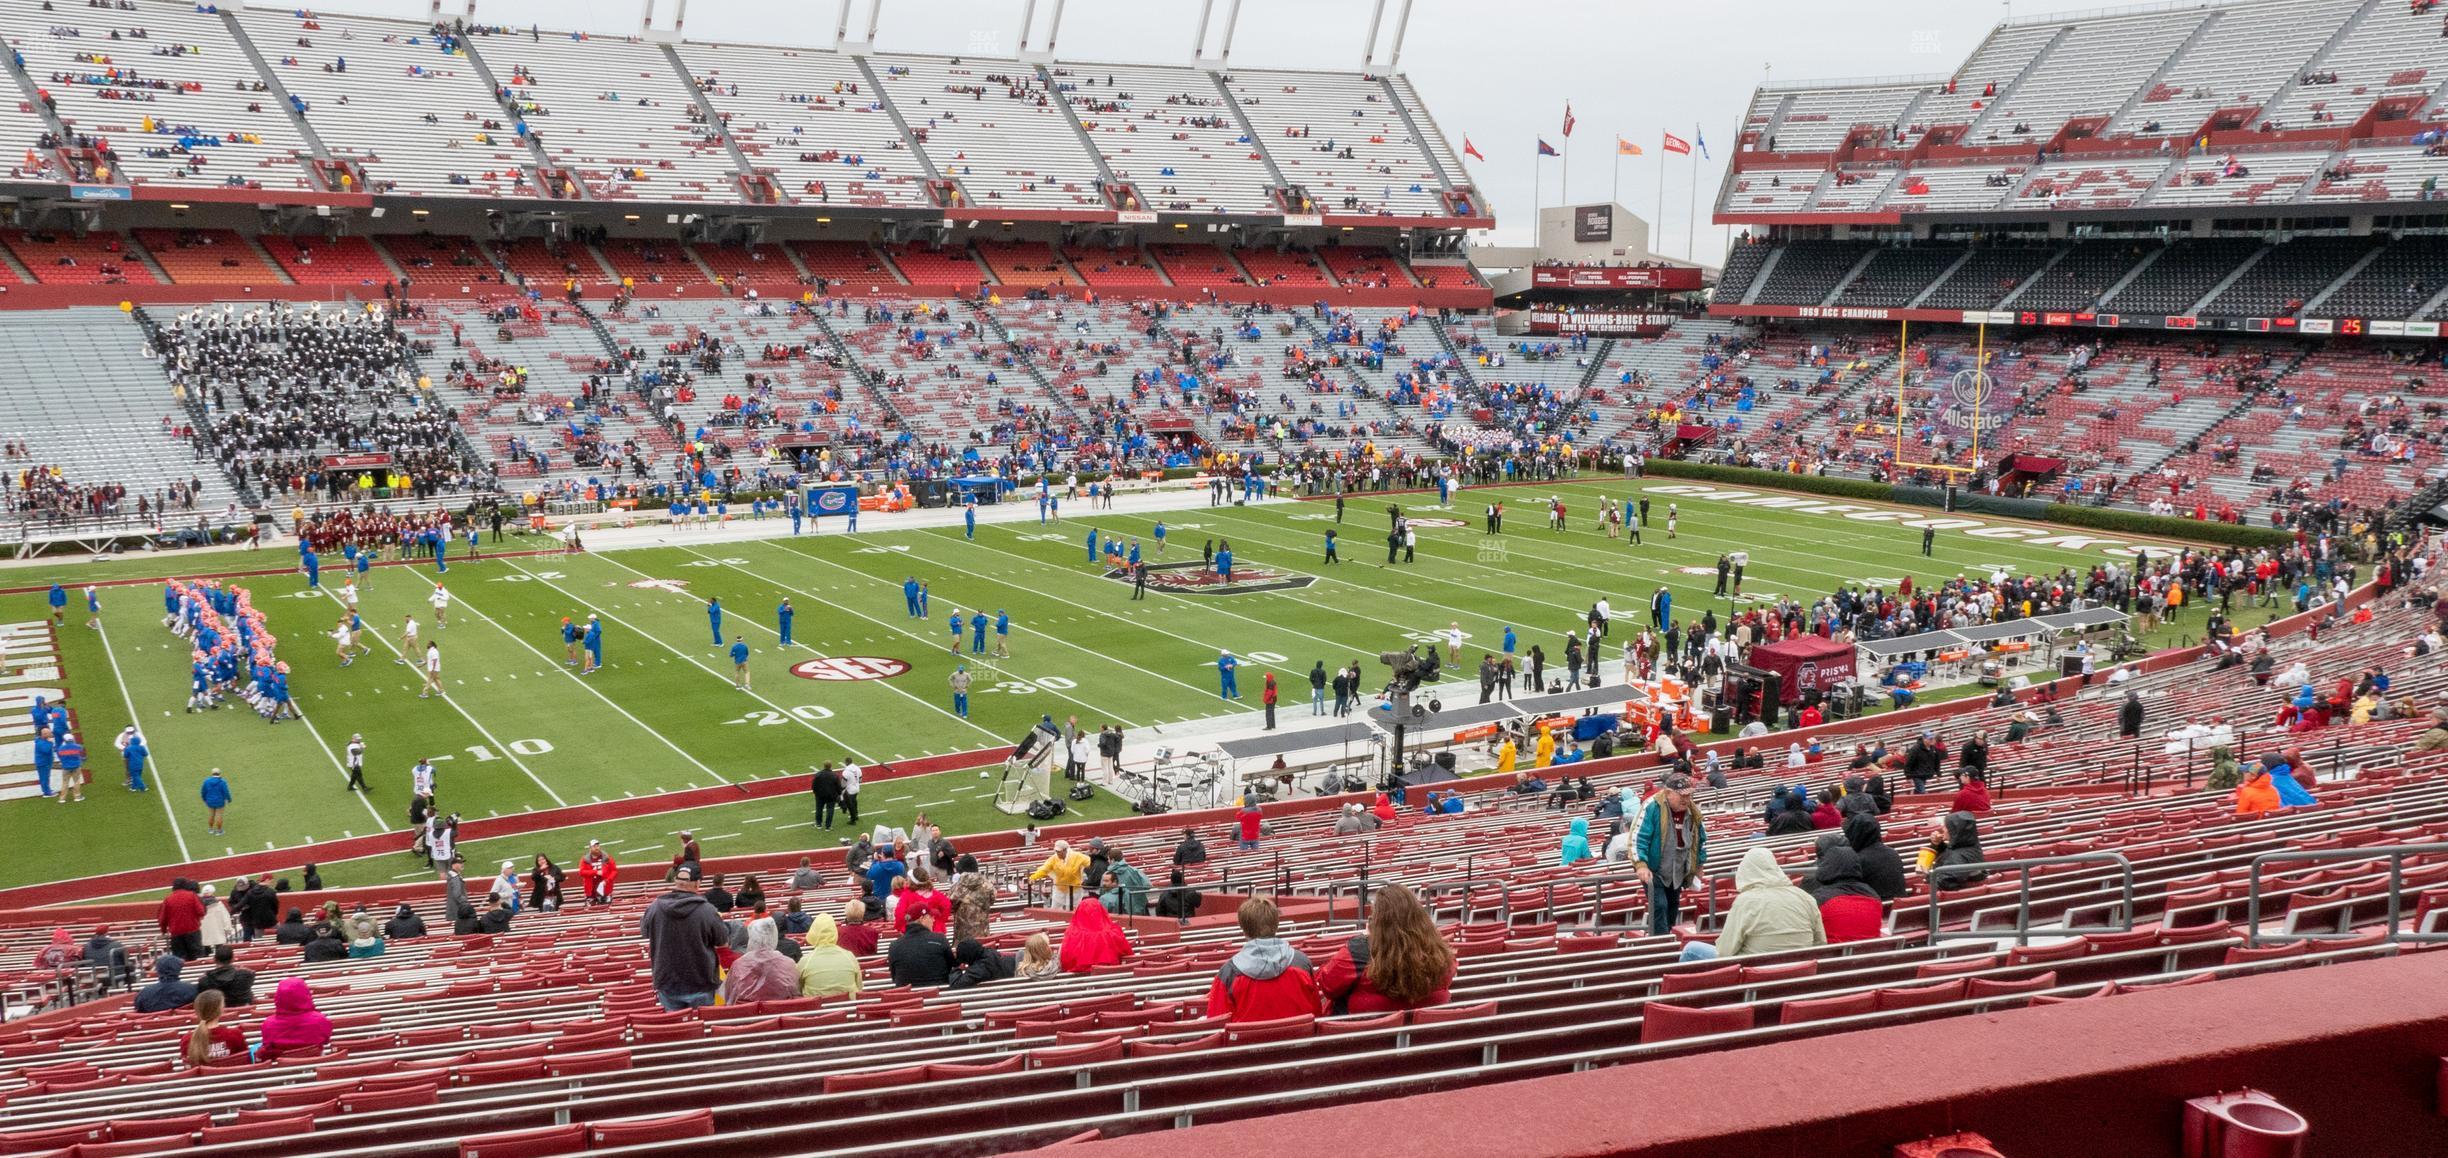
(356, 761)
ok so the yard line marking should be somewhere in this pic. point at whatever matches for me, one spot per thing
(721, 836)
(498, 746)
(759, 696)
(933, 803)
(574, 677)
(160, 782)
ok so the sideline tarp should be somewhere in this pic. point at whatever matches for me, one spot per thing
(1805, 663)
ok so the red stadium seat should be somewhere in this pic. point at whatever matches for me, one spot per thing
(1991, 987)
(1762, 974)
(1820, 1008)
(1278, 1029)
(664, 1128)
(134, 1147)
(1436, 1013)
(2065, 950)
(1663, 1022)
(1357, 1024)
(1072, 1055)
(947, 1071)
(58, 1137)
(541, 1142)
(482, 1073)
(1721, 977)
(257, 1131)
(570, 1065)
(1920, 995)
(401, 1099)
(874, 1080)
(1191, 1045)
(124, 1129)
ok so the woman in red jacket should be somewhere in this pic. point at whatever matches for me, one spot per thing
(1401, 963)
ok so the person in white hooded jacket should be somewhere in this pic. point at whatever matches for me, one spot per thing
(1769, 914)
(217, 929)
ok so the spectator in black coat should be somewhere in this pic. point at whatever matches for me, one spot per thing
(293, 930)
(404, 924)
(1880, 866)
(2129, 716)
(979, 965)
(1189, 851)
(920, 955)
(236, 985)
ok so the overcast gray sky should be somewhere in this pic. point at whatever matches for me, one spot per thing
(1498, 74)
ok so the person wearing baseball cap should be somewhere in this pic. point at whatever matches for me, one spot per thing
(1669, 848)
(682, 933)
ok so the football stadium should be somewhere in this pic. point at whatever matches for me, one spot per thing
(578, 583)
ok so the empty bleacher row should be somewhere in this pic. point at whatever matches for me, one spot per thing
(2244, 104)
(549, 1040)
(287, 100)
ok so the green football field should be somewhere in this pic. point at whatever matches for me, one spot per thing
(519, 730)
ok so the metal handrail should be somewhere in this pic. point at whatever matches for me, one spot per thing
(2022, 867)
(2396, 854)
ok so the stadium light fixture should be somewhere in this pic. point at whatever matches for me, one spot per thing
(824, 221)
(420, 212)
(629, 216)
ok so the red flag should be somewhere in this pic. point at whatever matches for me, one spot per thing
(1471, 150)
(1568, 118)
(1675, 144)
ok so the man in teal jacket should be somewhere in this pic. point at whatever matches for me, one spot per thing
(1669, 849)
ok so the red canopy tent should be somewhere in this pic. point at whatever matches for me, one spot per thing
(1805, 663)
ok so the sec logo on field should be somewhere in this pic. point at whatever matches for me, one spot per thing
(846, 668)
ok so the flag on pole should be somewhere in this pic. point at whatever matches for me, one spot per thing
(1545, 149)
(1624, 148)
(1568, 118)
(1675, 144)
(1470, 149)
(1701, 137)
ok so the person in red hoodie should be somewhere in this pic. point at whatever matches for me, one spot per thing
(181, 918)
(923, 895)
(1973, 797)
(1267, 978)
(1849, 906)
(1383, 809)
(1250, 822)
(1400, 963)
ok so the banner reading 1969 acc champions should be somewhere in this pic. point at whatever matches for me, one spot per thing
(832, 500)
(1611, 323)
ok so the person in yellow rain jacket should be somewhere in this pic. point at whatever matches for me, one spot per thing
(1065, 869)
(1506, 754)
(1544, 750)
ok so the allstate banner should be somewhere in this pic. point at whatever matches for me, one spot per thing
(832, 500)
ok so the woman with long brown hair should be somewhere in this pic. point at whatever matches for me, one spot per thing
(211, 1043)
(1401, 963)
